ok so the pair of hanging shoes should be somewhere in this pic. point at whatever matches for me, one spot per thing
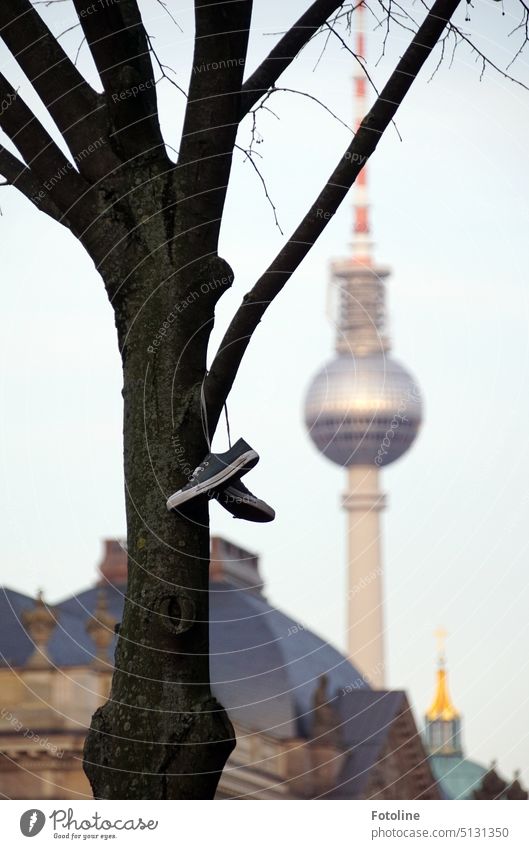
(219, 476)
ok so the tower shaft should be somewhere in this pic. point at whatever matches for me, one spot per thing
(363, 410)
(364, 502)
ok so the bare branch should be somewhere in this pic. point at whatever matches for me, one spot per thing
(523, 25)
(120, 49)
(42, 155)
(255, 303)
(481, 57)
(485, 61)
(71, 102)
(249, 154)
(285, 51)
(361, 61)
(16, 174)
(442, 42)
(83, 41)
(164, 68)
(213, 107)
(400, 16)
(167, 10)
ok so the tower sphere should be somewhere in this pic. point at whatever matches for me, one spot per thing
(363, 410)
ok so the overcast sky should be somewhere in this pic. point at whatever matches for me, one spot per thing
(450, 218)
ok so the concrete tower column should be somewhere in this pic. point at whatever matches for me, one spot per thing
(363, 502)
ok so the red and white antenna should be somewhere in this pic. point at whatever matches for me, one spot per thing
(359, 314)
(362, 245)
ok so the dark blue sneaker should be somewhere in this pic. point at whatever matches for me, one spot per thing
(214, 471)
(243, 504)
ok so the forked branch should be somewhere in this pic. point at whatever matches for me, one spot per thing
(40, 152)
(255, 303)
(120, 48)
(16, 174)
(285, 51)
(69, 99)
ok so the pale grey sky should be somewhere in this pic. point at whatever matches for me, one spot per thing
(450, 217)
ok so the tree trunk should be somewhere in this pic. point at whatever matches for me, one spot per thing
(161, 734)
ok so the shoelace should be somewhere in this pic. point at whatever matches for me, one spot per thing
(199, 469)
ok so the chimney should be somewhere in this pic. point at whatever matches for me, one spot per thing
(113, 566)
(235, 565)
(229, 562)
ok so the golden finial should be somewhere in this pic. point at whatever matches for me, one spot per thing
(440, 635)
(442, 706)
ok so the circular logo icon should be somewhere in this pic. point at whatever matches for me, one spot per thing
(32, 822)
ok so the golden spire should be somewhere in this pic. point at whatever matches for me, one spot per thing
(442, 706)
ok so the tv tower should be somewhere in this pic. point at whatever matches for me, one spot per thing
(363, 411)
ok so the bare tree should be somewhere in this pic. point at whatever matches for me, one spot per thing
(151, 226)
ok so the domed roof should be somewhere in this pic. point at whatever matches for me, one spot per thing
(265, 666)
(363, 410)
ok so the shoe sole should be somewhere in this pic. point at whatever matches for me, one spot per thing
(241, 465)
(256, 511)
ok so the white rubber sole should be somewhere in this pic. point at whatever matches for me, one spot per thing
(225, 474)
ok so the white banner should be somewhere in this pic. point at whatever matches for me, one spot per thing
(252, 825)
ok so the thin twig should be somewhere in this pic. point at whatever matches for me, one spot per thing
(162, 67)
(168, 11)
(249, 157)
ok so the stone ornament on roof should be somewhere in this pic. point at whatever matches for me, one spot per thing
(494, 787)
(515, 790)
(39, 623)
(326, 722)
(100, 628)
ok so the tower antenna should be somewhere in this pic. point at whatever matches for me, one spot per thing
(363, 411)
(362, 245)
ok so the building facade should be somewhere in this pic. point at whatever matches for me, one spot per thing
(307, 725)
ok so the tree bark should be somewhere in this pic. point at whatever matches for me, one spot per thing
(161, 734)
